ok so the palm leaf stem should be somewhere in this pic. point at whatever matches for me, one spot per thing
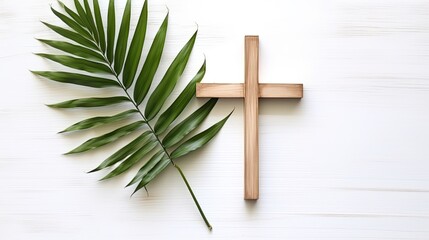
(193, 197)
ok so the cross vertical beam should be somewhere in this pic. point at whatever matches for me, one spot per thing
(251, 94)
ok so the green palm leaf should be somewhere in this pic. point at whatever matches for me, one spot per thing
(78, 79)
(153, 173)
(132, 160)
(77, 63)
(83, 16)
(121, 44)
(151, 64)
(99, 51)
(71, 23)
(180, 103)
(100, 28)
(89, 17)
(136, 48)
(124, 151)
(98, 121)
(72, 14)
(106, 138)
(181, 130)
(90, 102)
(199, 140)
(111, 26)
(168, 82)
(155, 159)
(74, 36)
(73, 49)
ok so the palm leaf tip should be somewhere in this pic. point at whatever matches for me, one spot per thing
(61, 3)
(93, 170)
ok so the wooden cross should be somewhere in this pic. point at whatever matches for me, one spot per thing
(251, 90)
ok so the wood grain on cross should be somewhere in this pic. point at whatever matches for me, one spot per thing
(251, 90)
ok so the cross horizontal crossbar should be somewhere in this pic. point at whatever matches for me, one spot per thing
(236, 90)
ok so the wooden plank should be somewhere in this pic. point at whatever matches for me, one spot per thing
(251, 142)
(224, 90)
(236, 90)
(270, 90)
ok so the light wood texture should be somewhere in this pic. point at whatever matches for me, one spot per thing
(270, 90)
(251, 116)
(349, 161)
(216, 90)
(236, 90)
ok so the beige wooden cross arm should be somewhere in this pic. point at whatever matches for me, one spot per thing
(251, 91)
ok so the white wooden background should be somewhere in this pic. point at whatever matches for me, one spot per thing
(348, 161)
